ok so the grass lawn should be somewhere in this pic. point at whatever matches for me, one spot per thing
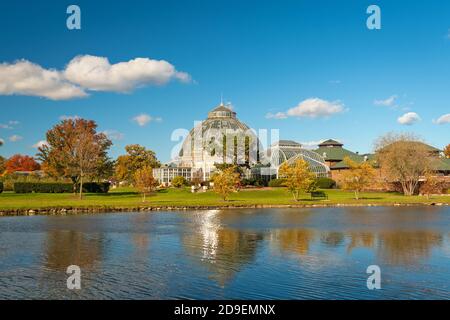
(127, 197)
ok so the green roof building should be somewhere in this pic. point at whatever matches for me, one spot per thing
(334, 153)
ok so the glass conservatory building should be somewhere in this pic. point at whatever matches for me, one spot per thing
(222, 138)
(291, 151)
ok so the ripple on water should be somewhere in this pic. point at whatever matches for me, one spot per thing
(242, 254)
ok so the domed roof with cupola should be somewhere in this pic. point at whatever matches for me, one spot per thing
(221, 111)
(221, 122)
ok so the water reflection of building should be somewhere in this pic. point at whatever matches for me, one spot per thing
(224, 251)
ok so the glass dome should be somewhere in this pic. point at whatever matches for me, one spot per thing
(218, 139)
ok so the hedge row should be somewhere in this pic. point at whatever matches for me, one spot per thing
(42, 187)
(1, 187)
(59, 187)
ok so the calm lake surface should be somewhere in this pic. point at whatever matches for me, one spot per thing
(246, 254)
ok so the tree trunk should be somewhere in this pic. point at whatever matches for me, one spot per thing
(81, 186)
(406, 189)
(409, 187)
(143, 200)
(356, 195)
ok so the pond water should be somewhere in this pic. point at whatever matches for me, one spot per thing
(230, 254)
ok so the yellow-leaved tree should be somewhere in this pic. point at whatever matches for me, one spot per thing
(447, 151)
(144, 181)
(432, 185)
(298, 178)
(358, 177)
(226, 181)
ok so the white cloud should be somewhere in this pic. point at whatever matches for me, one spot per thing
(389, 102)
(445, 118)
(40, 144)
(311, 144)
(143, 119)
(315, 107)
(9, 125)
(278, 115)
(15, 138)
(113, 134)
(312, 107)
(335, 81)
(96, 73)
(26, 78)
(408, 118)
(65, 117)
(85, 73)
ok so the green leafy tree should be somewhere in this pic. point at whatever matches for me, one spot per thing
(179, 182)
(137, 157)
(297, 178)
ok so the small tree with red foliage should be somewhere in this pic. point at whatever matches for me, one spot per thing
(20, 162)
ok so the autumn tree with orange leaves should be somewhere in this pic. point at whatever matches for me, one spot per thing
(75, 150)
(20, 162)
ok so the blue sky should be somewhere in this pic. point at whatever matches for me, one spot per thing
(314, 63)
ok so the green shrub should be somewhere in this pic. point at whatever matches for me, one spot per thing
(1, 187)
(11, 178)
(325, 183)
(42, 187)
(254, 182)
(179, 182)
(52, 187)
(95, 187)
(276, 183)
(23, 187)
